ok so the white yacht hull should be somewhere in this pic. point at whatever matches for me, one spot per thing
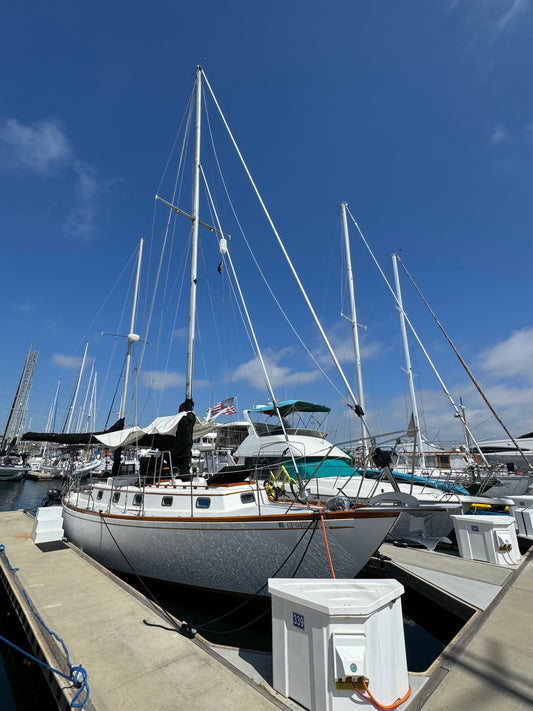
(237, 554)
(12, 472)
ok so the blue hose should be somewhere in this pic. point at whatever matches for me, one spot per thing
(78, 675)
(3, 550)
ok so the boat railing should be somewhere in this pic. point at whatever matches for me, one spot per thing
(292, 450)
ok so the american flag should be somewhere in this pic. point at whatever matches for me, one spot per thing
(225, 406)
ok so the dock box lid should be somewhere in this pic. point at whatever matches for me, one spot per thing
(337, 597)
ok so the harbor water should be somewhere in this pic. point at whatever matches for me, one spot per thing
(22, 684)
(221, 619)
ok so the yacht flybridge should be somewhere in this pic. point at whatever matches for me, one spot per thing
(292, 430)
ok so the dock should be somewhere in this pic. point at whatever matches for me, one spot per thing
(487, 666)
(140, 667)
(129, 664)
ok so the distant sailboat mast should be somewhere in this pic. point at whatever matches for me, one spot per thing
(68, 423)
(408, 367)
(17, 414)
(132, 336)
(355, 325)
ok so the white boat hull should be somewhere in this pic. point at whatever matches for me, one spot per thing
(236, 555)
(12, 472)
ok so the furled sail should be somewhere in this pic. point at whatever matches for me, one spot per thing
(72, 438)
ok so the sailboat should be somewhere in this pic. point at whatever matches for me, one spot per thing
(223, 532)
(13, 466)
(67, 464)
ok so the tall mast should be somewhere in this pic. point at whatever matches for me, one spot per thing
(132, 336)
(194, 237)
(17, 413)
(73, 405)
(91, 415)
(83, 409)
(50, 423)
(408, 368)
(354, 323)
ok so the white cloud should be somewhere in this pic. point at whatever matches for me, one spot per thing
(512, 11)
(68, 362)
(492, 19)
(180, 334)
(512, 357)
(505, 374)
(38, 148)
(42, 149)
(341, 340)
(163, 379)
(279, 375)
(499, 136)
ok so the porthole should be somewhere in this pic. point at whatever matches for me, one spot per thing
(116, 497)
(137, 500)
(167, 501)
(248, 498)
(99, 495)
(203, 503)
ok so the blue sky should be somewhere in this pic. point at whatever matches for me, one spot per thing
(418, 114)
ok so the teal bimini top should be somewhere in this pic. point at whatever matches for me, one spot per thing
(286, 407)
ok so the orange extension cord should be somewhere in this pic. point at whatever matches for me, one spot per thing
(370, 698)
(326, 543)
(376, 703)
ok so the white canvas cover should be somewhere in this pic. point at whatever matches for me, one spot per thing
(161, 425)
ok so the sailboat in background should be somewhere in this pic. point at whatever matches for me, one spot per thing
(70, 462)
(12, 464)
(222, 533)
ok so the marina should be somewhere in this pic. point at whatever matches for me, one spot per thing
(136, 658)
(249, 477)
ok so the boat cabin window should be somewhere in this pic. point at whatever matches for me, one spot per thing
(444, 460)
(248, 498)
(99, 495)
(203, 503)
(116, 497)
(137, 500)
(167, 501)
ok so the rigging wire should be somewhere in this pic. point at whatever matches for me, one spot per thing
(356, 407)
(259, 356)
(256, 593)
(457, 410)
(467, 369)
(190, 631)
(119, 328)
(265, 280)
(176, 190)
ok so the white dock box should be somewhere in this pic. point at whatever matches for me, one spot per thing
(490, 538)
(522, 510)
(329, 634)
(48, 525)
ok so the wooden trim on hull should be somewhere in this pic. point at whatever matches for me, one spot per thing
(329, 516)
